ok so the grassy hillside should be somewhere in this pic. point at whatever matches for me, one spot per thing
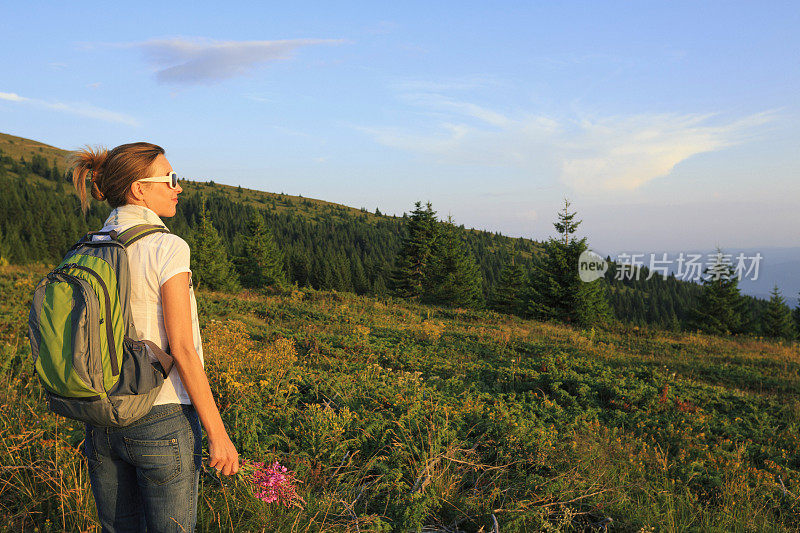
(17, 147)
(324, 245)
(399, 417)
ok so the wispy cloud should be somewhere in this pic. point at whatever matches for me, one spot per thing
(205, 61)
(80, 108)
(12, 97)
(468, 109)
(619, 153)
(624, 153)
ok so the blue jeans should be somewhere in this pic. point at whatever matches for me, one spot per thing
(145, 476)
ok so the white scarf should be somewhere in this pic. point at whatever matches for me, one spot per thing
(129, 215)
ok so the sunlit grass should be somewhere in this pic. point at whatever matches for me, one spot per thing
(397, 416)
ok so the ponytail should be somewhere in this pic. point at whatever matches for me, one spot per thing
(88, 162)
(112, 172)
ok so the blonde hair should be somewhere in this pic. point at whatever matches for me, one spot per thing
(112, 172)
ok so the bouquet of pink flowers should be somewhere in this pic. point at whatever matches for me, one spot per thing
(272, 483)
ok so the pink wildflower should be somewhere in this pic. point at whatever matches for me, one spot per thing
(274, 483)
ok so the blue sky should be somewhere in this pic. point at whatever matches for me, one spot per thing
(669, 125)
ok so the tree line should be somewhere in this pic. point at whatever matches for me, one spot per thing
(414, 256)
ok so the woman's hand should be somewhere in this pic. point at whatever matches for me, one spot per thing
(223, 455)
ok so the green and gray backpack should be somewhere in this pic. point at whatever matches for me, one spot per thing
(86, 350)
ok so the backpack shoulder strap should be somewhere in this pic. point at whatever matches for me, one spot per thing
(134, 233)
(89, 239)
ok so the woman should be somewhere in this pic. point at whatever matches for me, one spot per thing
(145, 476)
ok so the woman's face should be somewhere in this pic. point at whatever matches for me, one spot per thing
(158, 197)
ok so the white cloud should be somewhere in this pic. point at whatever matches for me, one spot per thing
(12, 97)
(80, 108)
(620, 153)
(624, 153)
(464, 108)
(203, 61)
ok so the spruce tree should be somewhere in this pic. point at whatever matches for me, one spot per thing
(3, 254)
(452, 277)
(796, 317)
(421, 232)
(262, 265)
(674, 324)
(719, 309)
(344, 280)
(778, 317)
(508, 294)
(301, 266)
(360, 282)
(211, 267)
(555, 290)
(327, 280)
(379, 287)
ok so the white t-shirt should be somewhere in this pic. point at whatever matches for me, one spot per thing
(153, 260)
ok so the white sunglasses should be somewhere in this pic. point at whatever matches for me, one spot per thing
(171, 179)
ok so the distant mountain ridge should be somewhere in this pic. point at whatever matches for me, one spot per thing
(778, 266)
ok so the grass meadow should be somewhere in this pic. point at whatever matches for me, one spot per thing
(400, 417)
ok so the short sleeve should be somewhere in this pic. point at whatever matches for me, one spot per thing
(173, 258)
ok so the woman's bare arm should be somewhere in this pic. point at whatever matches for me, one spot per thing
(178, 323)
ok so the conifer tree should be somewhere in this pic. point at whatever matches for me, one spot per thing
(509, 293)
(452, 277)
(421, 233)
(360, 282)
(719, 308)
(796, 317)
(674, 324)
(344, 281)
(211, 267)
(379, 287)
(778, 317)
(331, 275)
(301, 266)
(555, 290)
(3, 254)
(262, 265)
